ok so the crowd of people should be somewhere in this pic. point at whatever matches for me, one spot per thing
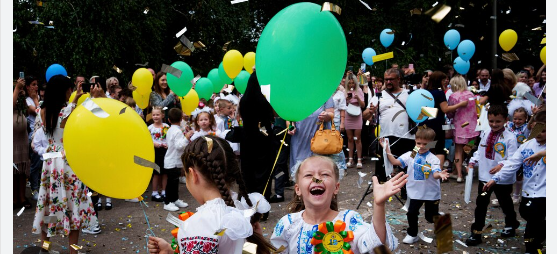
(230, 149)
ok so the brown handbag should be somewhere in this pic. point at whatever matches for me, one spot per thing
(326, 142)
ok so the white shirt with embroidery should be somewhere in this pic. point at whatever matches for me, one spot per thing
(197, 234)
(419, 186)
(533, 185)
(485, 164)
(295, 234)
(521, 132)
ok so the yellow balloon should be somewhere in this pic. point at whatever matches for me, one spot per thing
(100, 149)
(233, 62)
(249, 62)
(143, 80)
(542, 54)
(142, 101)
(189, 102)
(508, 39)
(81, 99)
(377, 130)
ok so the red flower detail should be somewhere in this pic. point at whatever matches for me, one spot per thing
(190, 246)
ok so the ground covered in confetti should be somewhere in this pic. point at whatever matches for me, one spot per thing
(124, 227)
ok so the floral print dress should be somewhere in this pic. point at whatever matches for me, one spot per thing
(61, 194)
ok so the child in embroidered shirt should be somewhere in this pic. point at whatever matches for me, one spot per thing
(226, 120)
(211, 168)
(420, 188)
(204, 125)
(315, 202)
(158, 133)
(519, 127)
(532, 157)
(176, 143)
(495, 147)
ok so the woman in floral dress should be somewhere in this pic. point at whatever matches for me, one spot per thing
(63, 206)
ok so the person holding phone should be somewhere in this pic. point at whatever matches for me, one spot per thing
(353, 122)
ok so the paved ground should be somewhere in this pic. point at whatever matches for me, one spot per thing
(123, 227)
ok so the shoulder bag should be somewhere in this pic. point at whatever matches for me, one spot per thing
(326, 142)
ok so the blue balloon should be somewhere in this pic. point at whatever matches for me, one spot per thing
(461, 66)
(466, 49)
(451, 39)
(387, 39)
(416, 100)
(55, 69)
(367, 55)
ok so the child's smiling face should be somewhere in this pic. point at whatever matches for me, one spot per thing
(317, 194)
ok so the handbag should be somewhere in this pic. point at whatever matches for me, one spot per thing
(326, 142)
(353, 110)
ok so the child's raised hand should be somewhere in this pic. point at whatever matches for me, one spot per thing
(159, 245)
(382, 192)
(444, 175)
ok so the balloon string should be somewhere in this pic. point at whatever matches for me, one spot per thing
(276, 159)
(148, 231)
(403, 135)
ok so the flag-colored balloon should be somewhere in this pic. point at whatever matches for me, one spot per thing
(508, 39)
(249, 62)
(233, 62)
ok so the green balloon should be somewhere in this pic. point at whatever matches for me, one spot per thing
(222, 74)
(241, 81)
(204, 88)
(180, 86)
(214, 77)
(301, 39)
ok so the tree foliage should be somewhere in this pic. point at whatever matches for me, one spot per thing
(91, 36)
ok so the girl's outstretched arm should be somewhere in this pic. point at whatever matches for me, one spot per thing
(381, 193)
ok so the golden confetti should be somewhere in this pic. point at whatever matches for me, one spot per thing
(536, 130)
(444, 233)
(249, 248)
(509, 57)
(279, 250)
(225, 47)
(199, 45)
(543, 41)
(391, 32)
(382, 57)
(46, 245)
(315, 180)
(76, 247)
(117, 69)
(464, 124)
(220, 232)
(486, 230)
(438, 12)
(425, 96)
(381, 249)
(182, 50)
(331, 7)
(415, 11)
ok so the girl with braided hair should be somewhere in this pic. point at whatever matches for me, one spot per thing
(211, 171)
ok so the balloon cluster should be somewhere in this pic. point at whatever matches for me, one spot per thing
(465, 49)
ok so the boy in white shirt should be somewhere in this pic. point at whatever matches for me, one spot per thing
(176, 142)
(420, 188)
(495, 146)
(530, 155)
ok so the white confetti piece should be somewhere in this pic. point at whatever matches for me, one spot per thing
(367, 6)
(461, 243)
(369, 204)
(237, 1)
(435, 4)
(21, 211)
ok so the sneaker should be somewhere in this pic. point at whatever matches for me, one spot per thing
(171, 207)
(359, 165)
(156, 198)
(183, 179)
(276, 199)
(459, 180)
(474, 240)
(180, 203)
(516, 200)
(495, 202)
(133, 200)
(91, 230)
(410, 239)
(508, 232)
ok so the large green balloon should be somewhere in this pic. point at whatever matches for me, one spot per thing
(180, 86)
(302, 54)
(214, 77)
(204, 88)
(222, 74)
(241, 81)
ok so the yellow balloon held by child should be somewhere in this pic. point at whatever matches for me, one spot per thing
(102, 137)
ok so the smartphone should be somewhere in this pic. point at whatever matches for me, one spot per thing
(363, 67)
(86, 87)
(351, 68)
(21, 74)
(349, 95)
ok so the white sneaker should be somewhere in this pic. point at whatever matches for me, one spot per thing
(495, 202)
(183, 179)
(410, 239)
(133, 200)
(459, 180)
(171, 207)
(180, 203)
(92, 230)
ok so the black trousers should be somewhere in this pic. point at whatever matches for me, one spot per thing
(503, 193)
(172, 184)
(431, 209)
(533, 211)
